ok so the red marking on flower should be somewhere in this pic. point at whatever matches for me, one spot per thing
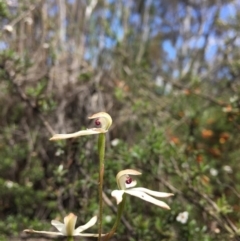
(97, 122)
(129, 180)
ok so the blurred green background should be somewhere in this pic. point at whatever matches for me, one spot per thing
(168, 72)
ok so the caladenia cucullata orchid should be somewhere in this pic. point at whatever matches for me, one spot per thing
(68, 228)
(127, 185)
(102, 121)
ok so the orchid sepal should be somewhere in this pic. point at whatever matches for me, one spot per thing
(118, 195)
(153, 193)
(147, 198)
(43, 232)
(93, 131)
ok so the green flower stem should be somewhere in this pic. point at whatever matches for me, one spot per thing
(118, 220)
(101, 153)
(70, 238)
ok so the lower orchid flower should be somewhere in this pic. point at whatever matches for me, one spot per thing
(103, 122)
(126, 185)
(68, 227)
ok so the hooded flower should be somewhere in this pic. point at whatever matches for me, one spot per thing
(126, 185)
(68, 227)
(103, 121)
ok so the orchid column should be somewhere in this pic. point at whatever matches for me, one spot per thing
(103, 122)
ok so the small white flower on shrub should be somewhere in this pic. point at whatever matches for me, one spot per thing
(182, 217)
(108, 219)
(227, 169)
(213, 172)
(9, 184)
(115, 142)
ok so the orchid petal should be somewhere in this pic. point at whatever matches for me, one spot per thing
(92, 131)
(122, 175)
(42, 232)
(105, 119)
(59, 226)
(147, 198)
(88, 235)
(70, 222)
(89, 224)
(118, 195)
(153, 193)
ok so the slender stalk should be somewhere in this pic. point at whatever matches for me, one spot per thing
(118, 220)
(101, 153)
(70, 238)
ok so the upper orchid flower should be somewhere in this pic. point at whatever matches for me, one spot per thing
(103, 122)
(126, 183)
(68, 227)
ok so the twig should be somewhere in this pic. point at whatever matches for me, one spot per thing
(31, 104)
(33, 107)
(24, 14)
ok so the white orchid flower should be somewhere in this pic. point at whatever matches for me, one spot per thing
(126, 185)
(68, 227)
(103, 122)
